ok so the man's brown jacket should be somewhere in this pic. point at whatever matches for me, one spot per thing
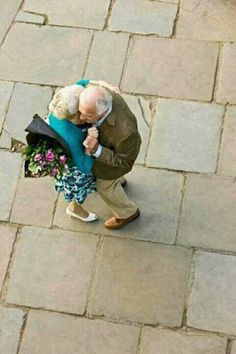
(120, 140)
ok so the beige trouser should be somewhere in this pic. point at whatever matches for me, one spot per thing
(115, 197)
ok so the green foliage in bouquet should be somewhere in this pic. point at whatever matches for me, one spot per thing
(43, 160)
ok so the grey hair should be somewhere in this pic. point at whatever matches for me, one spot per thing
(65, 102)
(104, 103)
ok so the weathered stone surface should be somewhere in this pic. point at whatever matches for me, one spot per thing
(212, 304)
(208, 215)
(40, 61)
(207, 20)
(75, 13)
(9, 173)
(11, 321)
(5, 94)
(171, 68)
(8, 12)
(34, 202)
(5, 140)
(143, 124)
(233, 348)
(227, 158)
(185, 136)
(142, 282)
(23, 16)
(107, 67)
(143, 17)
(7, 236)
(171, 342)
(58, 333)
(25, 102)
(157, 194)
(227, 75)
(57, 266)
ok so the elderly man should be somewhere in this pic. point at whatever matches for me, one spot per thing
(118, 148)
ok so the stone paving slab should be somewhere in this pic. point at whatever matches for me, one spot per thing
(212, 304)
(73, 13)
(48, 332)
(34, 202)
(5, 140)
(207, 20)
(185, 136)
(146, 17)
(11, 321)
(142, 281)
(25, 102)
(159, 211)
(227, 157)
(136, 107)
(57, 266)
(5, 94)
(227, 75)
(233, 348)
(9, 173)
(8, 12)
(208, 214)
(107, 67)
(23, 16)
(7, 237)
(171, 68)
(162, 341)
(38, 61)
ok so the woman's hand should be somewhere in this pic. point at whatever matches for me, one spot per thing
(90, 144)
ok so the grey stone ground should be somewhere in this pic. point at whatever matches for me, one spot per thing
(166, 284)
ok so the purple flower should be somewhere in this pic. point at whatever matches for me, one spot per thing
(38, 157)
(63, 159)
(50, 156)
(53, 171)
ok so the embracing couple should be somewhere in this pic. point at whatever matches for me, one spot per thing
(102, 134)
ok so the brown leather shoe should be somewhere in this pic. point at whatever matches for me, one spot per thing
(114, 223)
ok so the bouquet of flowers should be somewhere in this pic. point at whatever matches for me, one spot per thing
(45, 159)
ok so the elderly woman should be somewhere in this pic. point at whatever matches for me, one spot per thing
(77, 182)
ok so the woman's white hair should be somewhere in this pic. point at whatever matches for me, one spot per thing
(65, 102)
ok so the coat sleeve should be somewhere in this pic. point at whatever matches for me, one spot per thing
(124, 153)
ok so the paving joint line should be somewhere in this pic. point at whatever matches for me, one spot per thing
(138, 351)
(25, 319)
(11, 24)
(221, 139)
(108, 16)
(94, 274)
(129, 48)
(174, 29)
(217, 72)
(180, 207)
(4, 289)
(191, 278)
(7, 109)
(88, 55)
(153, 109)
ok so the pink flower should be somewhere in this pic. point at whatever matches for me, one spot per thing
(50, 156)
(53, 171)
(38, 157)
(63, 159)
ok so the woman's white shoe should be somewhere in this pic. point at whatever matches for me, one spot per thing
(90, 217)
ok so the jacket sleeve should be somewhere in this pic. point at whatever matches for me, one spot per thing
(124, 154)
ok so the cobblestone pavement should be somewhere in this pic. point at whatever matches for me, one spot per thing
(165, 284)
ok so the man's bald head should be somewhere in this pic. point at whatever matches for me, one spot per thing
(94, 102)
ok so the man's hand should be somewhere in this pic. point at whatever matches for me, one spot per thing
(93, 132)
(91, 144)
